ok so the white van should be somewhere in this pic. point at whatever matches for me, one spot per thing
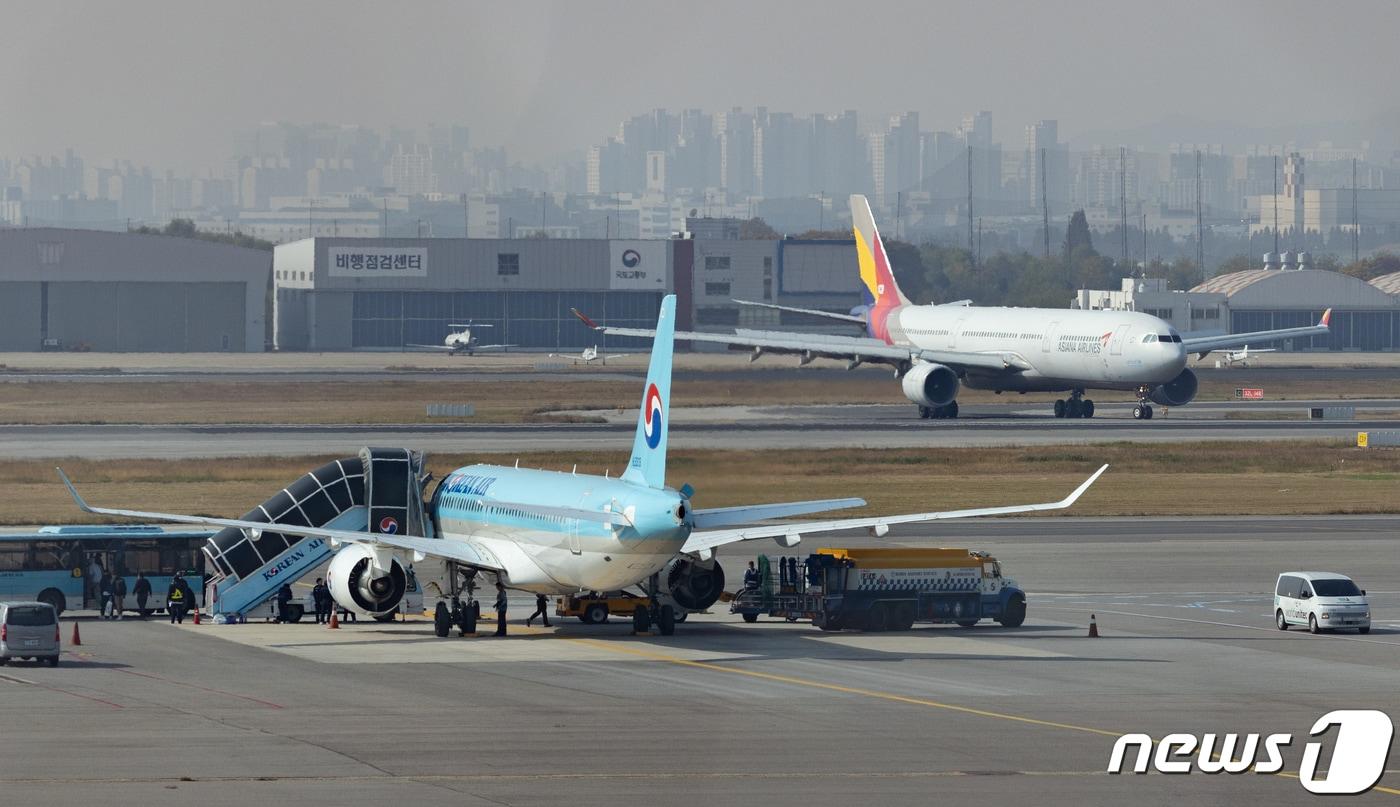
(28, 630)
(1320, 600)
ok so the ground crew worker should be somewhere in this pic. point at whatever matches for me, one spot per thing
(142, 590)
(94, 575)
(500, 608)
(284, 602)
(175, 600)
(104, 590)
(541, 610)
(321, 595)
(118, 596)
(751, 577)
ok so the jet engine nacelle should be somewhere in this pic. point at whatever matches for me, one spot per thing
(356, 585)
(694, 584)
(1177, 392)
(930, 384)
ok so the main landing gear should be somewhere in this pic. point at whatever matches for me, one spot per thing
(662, 616)
(948, 410)
(1143, 409)
(1076, 406)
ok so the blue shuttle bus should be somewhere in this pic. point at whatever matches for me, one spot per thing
(51, 565)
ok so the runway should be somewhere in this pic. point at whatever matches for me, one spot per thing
(726, 712)
(802, 427)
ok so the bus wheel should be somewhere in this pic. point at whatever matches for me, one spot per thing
(967, 623)
(54, 597)
(750, 616)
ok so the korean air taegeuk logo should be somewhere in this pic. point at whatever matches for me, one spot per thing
(651, 417)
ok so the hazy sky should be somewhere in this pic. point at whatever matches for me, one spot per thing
(167, 83)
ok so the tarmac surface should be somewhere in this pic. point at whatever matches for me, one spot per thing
(892, 426)
(730, 713)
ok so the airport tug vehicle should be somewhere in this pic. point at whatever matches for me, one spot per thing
(883, 589)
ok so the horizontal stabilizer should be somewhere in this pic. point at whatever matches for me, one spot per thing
(751, 513)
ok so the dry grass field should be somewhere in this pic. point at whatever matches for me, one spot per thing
(497, 401)
(1216, 478)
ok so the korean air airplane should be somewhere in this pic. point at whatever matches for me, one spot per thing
(564, 533)
(936, 349)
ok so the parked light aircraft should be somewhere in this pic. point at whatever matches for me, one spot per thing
(459, 342)
(935, 349)
(1241, 357)
(562, 533)
(590, 355)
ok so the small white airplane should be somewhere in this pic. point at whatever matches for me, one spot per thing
(589, 355)
(553, 532)
(462, 341)
(1241, 357)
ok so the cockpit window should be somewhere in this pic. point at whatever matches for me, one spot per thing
(1148, 338)
(1168, 337)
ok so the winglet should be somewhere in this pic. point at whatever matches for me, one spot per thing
(1079, 491)
(586, 321)
(82, 505)
(1326, 318)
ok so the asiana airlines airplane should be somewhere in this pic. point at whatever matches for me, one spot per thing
(937, 349)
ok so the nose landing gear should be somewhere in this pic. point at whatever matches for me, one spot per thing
(1143, 410)
(1076, 406)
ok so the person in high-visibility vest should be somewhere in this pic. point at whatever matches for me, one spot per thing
(176, 600)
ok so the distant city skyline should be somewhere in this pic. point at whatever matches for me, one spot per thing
(168, 84)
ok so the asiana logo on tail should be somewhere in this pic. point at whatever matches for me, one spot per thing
(1359, 752)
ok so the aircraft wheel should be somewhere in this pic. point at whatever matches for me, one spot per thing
(1059, 409)
(925, 412)
(1072, 408)
(953, 409)
(1139, 412)
(666, 621)
(1088, 408)
(1148, 410)
(641, 620)
(442, 620)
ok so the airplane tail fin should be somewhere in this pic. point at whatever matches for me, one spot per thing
(648, 463)
(878, 287)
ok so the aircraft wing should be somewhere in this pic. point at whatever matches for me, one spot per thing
(460, 551)
(748, 514)
(811, 311)
(433, 347)
(708, 540)
(851, 348)
(1206, 344)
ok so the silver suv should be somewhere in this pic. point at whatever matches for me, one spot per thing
(28, 630)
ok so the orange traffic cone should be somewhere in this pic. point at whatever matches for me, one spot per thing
(196, 615)
(1093, 627)
(77, 639)
(335, 622)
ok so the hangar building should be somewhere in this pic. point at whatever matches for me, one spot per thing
(1363, 316)
(391, 294)
(105, 291)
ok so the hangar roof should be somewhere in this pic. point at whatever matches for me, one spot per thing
(1390, 284)
(1307, 289)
